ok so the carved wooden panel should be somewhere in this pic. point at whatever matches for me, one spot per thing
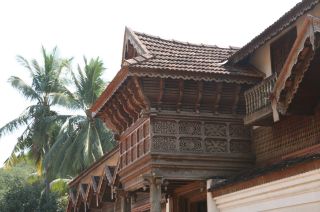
(165, 127)
(190, 128)
(190, 145)
(135, 145)
(215, 129)
(216, 145)
(196, 136)
(164, 144)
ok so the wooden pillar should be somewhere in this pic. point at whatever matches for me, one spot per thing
(125, 200)
(154, 183)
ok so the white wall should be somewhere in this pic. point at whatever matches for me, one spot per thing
(297, 193)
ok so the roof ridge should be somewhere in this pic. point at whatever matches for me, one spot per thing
(183, 42)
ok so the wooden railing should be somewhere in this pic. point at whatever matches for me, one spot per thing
(258, 97)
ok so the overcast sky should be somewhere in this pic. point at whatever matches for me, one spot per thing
(96, 28)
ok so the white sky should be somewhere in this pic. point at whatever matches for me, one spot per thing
(96, 28)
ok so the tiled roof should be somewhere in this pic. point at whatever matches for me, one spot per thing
(286, 20)
(181, 56)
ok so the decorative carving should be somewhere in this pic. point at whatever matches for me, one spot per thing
(165, 127)
(216, 145)
(190, 128)
(164, 144)
(215, 129)
(190, 145)
(238, 130)
(240, 146)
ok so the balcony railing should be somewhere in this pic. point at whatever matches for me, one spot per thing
(258, 98)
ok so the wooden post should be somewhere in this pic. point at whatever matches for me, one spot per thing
(124, 200)
(155, 191)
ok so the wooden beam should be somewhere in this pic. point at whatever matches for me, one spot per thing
(199, 96)
(107, 120)
(113, 119)
(139, 90)
(216, 100)
(180, 97)
(117, 115)
(236, 98)
(126, 96)
(134, 101)
(161, 92)
(121, 112)
(127, 106)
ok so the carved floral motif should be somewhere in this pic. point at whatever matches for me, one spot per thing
(190, 145)
(215, 129)
(216, 145)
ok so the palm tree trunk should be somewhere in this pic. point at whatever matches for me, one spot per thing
(46, 181)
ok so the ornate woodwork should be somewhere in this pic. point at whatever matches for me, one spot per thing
(166, 123)
(191, 136)
(258, 102)
(134, 144)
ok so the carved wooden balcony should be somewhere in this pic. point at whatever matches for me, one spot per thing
(258, 104)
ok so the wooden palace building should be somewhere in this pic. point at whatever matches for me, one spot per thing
(204, 128)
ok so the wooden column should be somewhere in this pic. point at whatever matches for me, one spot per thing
(154, 183)
(125, 202)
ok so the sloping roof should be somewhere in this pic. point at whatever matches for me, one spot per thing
(100, 161)
(174, 55)
(234, 183)
(286, 20)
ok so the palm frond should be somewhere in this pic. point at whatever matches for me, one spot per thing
(27, 91)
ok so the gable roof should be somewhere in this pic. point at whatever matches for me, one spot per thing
(286, 20)
(157, 57)
(171, 55)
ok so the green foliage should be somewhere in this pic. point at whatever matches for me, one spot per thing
(41, 124)
(15, 175)
(59, 145)
(22, 190)
(29, 198)
(82, 139)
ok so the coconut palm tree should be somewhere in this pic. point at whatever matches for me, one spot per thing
(82, 139)
(40, 122)
(38, 119)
